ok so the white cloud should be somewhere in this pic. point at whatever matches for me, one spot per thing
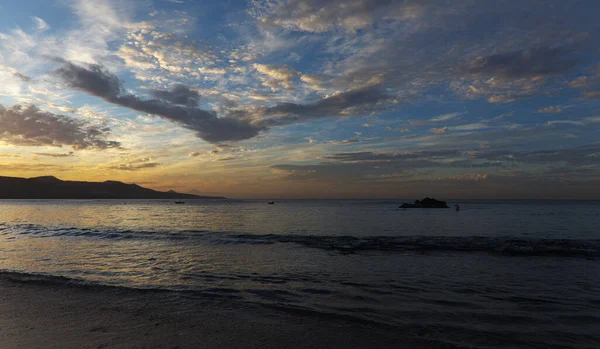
(551, 109)
(279, 76)
(439, 130)
(445, 117)
(40, 24)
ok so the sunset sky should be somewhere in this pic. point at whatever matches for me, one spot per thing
(306, 98)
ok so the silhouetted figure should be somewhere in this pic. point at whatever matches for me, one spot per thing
(457, 208)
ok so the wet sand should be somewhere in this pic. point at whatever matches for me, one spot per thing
(47, 315)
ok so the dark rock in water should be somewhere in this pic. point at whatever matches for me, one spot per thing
(426, 203)
(433, 203)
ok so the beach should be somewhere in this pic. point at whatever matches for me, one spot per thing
(49, 314)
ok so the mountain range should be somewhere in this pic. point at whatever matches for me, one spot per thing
(49, 187)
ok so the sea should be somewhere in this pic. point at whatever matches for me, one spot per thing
(496, 274)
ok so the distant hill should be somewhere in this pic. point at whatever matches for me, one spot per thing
(49, 187)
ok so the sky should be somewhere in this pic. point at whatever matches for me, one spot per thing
(306, 98)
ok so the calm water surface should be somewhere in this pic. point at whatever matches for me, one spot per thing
(497, 274)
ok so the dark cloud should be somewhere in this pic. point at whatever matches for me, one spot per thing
(93, 79)
(371, 166)
(541, 61)
(357, 101)
(237, 124)
(99, 82)
(30, 126)
(334, 172)
(368, 166)
(587, 155)
(24, 78)
(385, 157)
(179, 94)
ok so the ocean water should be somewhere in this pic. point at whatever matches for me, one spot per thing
(497, 274)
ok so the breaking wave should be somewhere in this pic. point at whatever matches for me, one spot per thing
(509, 246)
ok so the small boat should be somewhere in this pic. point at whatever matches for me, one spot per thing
(180, 202)
(271, 202)
(457, 208)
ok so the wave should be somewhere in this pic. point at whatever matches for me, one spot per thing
(430, 244)
(44, 279)
(508, 246)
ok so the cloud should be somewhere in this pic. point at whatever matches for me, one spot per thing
(498, 90)
(158, 55)
(397, 129)
(551, 109)
(469, 127)
(415, 46)
(214, 71)
(56, 155)
(535, 62)
(318, 16)
(238, 124)
(40, 24)
(465, 177)
(97, 81)
(23, 78)
(591, 94)
(582, 81)
(439, 130)
(435, 120)
(100, 23)
(30, 126)
(279, 76)
(35, 168)
(366, 166)
(445, 117)
(444, 165)
(136, 59)
(575, 156)
(359, 101)
(579, 122)
(559, 122)
(345, 141)
(134, 164)
(9, 155)
(179, 94)
(314, 82)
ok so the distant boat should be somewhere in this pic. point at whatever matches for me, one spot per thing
(271, 202)
(457, 208)
(180, 202)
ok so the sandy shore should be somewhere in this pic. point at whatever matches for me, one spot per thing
(46, 315)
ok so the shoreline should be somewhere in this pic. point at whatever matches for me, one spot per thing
(47, 315)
